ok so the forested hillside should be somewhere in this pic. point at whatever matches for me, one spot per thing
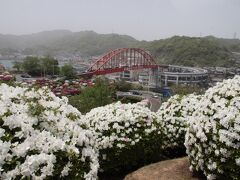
(182, 50)
(191, 51)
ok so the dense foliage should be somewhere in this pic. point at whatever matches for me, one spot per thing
(39, 66)
(125, 86)
(68, 71)
(128, 136)
(183, 89)
(17, 65)
(41, 137)
(191, 51)
(232, 44)
(173, 115)
(213, 136)
(100, 94)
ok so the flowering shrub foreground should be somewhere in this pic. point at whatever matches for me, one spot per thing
(213, 136)
(43, 137)
(128, 135)
(173, 115)
(40, 137)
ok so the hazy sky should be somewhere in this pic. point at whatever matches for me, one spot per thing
(142, 19)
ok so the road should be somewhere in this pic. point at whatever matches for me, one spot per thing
(155, 102)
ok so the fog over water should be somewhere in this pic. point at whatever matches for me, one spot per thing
(142, 19)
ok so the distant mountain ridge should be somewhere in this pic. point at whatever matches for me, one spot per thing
(182, 50)
(27, 41)
(53, 42)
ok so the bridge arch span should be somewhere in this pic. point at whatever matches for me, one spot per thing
(122, 59)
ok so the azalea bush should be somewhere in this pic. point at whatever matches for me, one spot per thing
(128, 135)
(213, 137)
(41, 137)
(174, 117)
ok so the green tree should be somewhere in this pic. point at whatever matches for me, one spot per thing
(91, 97)
(40, 66)
(68, 71)
(31, 65)
(187, 89)
(49, 66)
(17, 65)
(123, 86)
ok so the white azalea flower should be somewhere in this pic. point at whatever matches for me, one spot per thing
(41, 125)
(214, 127)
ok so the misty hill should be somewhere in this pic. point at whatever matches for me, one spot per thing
(28, 41)
(90, 43)
(87, 43)
(180, 50)
(192, 51)
(231, 44)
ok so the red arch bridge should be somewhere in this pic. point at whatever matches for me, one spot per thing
(120, 60)
(125, 59)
